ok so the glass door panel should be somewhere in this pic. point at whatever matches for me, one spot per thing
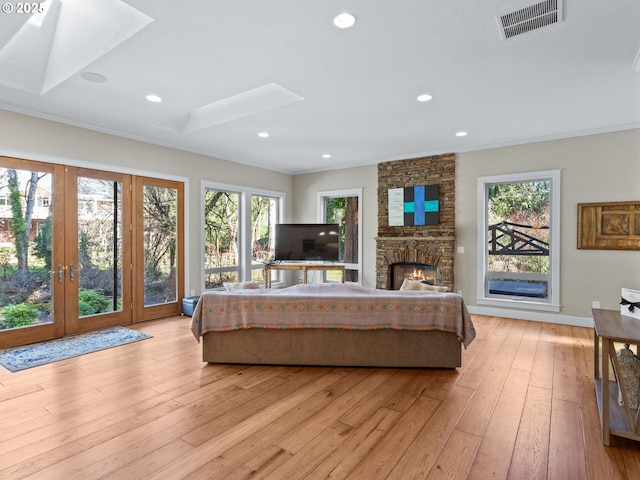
(30, 286)
(160, 230)
(100, 246)
(98, 285)
(160, 288)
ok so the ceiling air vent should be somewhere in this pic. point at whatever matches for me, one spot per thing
(530, 18)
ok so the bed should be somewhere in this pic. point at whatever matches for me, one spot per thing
(333, 325)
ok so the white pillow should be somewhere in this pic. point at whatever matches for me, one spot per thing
(417, 285)
(241, 286)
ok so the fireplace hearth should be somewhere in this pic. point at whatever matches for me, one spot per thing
(435, 253)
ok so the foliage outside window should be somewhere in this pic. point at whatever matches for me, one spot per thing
(99, 245)
(160, 217)
(221, 228)
(520, 239)
(264, 213)
(25, 249)
(520, 214)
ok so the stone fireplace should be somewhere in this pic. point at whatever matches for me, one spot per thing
(431, 246)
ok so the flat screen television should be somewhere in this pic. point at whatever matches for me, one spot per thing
(317, 242)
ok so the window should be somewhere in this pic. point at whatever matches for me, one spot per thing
(519, 239)
(238, 232)
(344, 207)
(264, 216)
(221, 228)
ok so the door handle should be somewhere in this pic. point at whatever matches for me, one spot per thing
(61, 270)
(72, 272)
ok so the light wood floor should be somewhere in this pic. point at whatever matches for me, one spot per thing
(521, 407)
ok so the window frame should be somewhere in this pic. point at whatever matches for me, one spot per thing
(245, 266)
(552, 302)
(322, 218)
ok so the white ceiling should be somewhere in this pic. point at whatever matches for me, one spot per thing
(227, 70)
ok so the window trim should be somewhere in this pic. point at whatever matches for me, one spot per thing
(552, 303)
(321, 216)
(245, 266)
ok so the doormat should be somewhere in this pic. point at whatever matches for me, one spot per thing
(20, 358)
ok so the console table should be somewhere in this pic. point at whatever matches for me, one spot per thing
(610, 327)
(305, 267)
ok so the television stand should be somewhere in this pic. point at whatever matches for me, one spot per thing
(305, 267)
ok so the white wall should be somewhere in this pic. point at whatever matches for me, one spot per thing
(597, 168)
(306, 208)
(30, 138)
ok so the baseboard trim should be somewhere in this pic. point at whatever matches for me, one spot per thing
(535, 316)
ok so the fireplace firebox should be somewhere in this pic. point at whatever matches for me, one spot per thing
(412, 271)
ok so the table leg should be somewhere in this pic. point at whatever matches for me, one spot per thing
(606, 348)
(596, 355)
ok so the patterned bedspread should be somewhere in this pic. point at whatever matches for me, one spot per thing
(342, 306)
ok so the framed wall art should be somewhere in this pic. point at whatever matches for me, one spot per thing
(609, 226)
(414, 206)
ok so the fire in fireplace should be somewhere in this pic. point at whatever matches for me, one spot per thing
(412, 271)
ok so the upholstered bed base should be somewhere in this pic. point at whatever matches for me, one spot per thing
(334, 347)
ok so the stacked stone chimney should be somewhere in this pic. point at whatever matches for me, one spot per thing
(428, 244)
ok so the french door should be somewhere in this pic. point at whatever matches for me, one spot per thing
(96, 273)
(158, 265)
(71, 251)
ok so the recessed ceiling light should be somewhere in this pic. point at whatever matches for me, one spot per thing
(344, 20)
(326, 155)
(263, 134)
(93, 77)
(461, 134)
(425, 97)
(154, 98)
